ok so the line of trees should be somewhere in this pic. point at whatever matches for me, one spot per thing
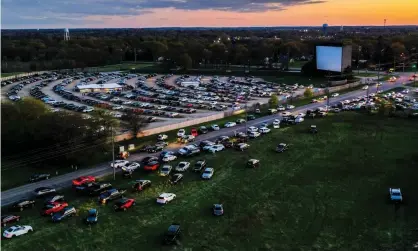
(30, 50)
(32, 135)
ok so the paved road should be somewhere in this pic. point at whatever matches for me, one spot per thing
(14, 194)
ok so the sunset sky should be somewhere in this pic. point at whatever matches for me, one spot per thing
(210, 13)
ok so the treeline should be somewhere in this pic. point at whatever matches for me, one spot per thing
(32, 135)
(42, 50)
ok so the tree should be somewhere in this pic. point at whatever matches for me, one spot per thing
(185, 61)
(273, 101)
(308, 93)
(135, 121)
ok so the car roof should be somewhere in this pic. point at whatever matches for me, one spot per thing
(208, 169)
(92, 211)
(165, 194)
(173, 228)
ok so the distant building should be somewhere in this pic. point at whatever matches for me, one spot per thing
(98, 88)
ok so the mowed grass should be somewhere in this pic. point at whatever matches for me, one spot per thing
(124, 66)
(3, 75)
(328, 192)
(291, 80)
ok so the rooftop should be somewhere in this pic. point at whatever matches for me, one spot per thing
(101, 86)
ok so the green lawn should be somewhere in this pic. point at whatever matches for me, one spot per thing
(10, 74)
(291, 80)
(297, 64)
(123, 67)
(328, 192)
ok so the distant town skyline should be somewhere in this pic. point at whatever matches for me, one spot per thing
(20, 14)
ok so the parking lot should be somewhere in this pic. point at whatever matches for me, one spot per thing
(164, 99)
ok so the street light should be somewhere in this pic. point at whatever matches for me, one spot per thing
(378, 69)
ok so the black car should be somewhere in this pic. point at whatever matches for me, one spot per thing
(145, 148)
(250, 117)
(111, 194)
(199, 166)
(156, 148)
(148, 160)
(22, 204)
(37, 177)
(127, 173)
(193, 152)
(282, 147)
(172, 235)
(93, 188)
(176, 178)
(54, 198)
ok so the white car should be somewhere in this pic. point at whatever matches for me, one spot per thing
(182, 166)
(127, 102)
(207, 173)
(215, 148)
(89, 109)
(302, 115)
(252, 129)
(169, 158)
(335, 95)
(299, 119)
(230, 124)
(119, 163)
(254, 134)
(285, 114)
(264, 130)
(215, 127)
(276, 123)
(16, 231)
(162, 137)
(243, 146)
(281, 108)
(165, 170)
(181, 133)
(365, 87)
(288, 107)
(164, 198)
(131, 166)
(117, 115)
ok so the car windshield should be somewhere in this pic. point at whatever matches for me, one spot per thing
(218, 207)
(161, 198)
(396, 193)
(182, 164)
(165, 169)
(208, 172)
(48, 206)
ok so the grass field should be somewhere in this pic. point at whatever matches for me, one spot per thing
(291, 80)
(123, 67)
(10, 74)
(328, 192)
(297, 64)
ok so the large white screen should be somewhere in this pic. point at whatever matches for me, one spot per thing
(329, 58)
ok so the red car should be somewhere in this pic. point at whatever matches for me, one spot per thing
(194, 132)
(54, 207)
(6, 219)
(124, 204)
(83, 179)
(152, 166)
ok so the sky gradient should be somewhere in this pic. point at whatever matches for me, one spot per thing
(22, 14)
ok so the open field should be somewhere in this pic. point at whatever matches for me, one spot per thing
(328, 192)
(10, 74)
(293, 79)
(123, 67)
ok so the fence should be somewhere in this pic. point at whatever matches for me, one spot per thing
(171, 127)
(23, 75)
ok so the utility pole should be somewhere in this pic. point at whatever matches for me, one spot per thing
(113, 154)
(378, 69)
(135, 54)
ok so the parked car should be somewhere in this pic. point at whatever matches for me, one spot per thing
(7, 219)
(264, 130)
(276, 123)
(313, 129)
(123, 204)
(172, 235)
(38, 177)
(252, 129)
(168, 158)
(281, 147)
(54, 207)
(218, 209)
(254, 134)
(214, 148)
(208, 173)
(250, 117)
(42, 191)
(182, 166)
(155, 148)
(16, 231)
(111, 194)
(230, 124)
(253, 163)
(165, 198)
(165, 170)
(22, 204)
(92, 216)
(242, 146)
(119, 163)
(152, 166)
(194, 132)
(199, 165)
(162, 137)
(203, 130)
(140, 185)
(395, 195)
(65, 213)
(93, 188)
(176, 178)
(131, 166)
(215, 127)
(181, 133)
(54, 198)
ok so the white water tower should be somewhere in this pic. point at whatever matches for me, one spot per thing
(66, 34)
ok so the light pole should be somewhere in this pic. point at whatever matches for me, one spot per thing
(403, 62)
(378, 68)
(113, 154)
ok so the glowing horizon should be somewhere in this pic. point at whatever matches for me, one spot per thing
(200, 13)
